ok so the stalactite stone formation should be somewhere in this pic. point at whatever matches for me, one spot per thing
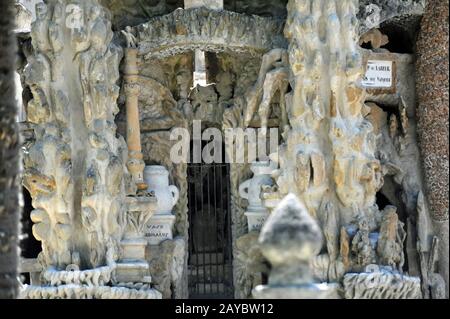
(75, 168)
(328, 158)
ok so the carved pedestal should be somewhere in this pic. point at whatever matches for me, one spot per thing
(159, 228)
(133, 266)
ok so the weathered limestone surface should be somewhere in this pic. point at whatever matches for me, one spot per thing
(23, 18)
(166, 262)
(134, 12)
(209, 30)
(341, 147)
(372, 13)
(381, 284)
(75, 169)
(432, 113)
(335, 174)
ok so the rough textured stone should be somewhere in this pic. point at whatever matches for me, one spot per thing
(350, 157)
(381, 284)
(208, 30)
(249, 263)
(372, 13)
(432, 110)
(134, 12)
(166, 262)
(433, 117)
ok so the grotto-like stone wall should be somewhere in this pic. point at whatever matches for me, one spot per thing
(349, 154)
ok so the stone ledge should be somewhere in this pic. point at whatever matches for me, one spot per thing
(87, 292)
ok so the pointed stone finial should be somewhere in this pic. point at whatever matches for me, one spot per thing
(289, 240)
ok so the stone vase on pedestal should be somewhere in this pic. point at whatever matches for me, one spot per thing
(132, 266)
(250, 190)
(160, 225)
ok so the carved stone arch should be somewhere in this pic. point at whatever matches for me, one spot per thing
(208, 30)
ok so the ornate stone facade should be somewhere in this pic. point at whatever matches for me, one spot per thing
(344, 196)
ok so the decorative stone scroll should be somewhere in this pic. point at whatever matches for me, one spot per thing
(209, 30)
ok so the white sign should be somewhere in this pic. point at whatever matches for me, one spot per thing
(378, 74)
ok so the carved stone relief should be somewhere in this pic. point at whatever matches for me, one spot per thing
(349, 154)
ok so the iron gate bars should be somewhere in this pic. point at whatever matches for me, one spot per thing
(210, 246)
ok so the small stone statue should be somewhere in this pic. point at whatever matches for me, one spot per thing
(361, 246)
(390, 242)
(129, 37)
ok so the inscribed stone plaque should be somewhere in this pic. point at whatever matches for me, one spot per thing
(379, 74)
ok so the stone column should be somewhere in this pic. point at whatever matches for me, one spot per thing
(432, 112)
(135, 163)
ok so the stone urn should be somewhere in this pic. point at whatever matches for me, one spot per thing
(251, 189)
(157, 179)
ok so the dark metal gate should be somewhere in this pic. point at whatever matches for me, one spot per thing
(210, 252)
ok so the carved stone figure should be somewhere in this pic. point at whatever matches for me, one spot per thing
(353, 166)
(390, 241)
(129, 37)
(39, 29)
